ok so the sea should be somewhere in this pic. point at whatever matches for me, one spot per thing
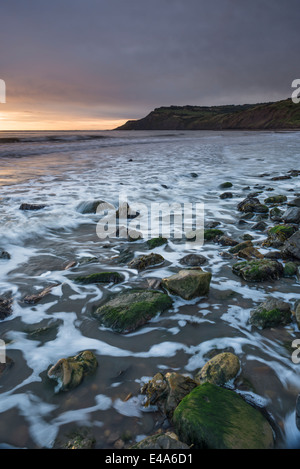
(66, 172)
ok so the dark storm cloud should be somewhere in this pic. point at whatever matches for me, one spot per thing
(123, 58)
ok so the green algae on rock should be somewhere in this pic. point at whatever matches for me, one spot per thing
(189, 283)
(212, 233)
(69, 372)
(100, 277)
(275, 199)
(211, 417)
(131, 309)
(219, 370)
(156, 242)
(271, 313)
(278, 234)
(258, 270)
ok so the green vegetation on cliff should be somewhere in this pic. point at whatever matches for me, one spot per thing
(277, 115)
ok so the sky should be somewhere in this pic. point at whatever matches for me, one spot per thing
(94, 64)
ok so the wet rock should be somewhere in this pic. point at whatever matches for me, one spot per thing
(143, 262)
(160, 441)
(193, 260)
(250, 253)
(194, 175)
(69, 372)
(189, 283)
(156, 242)
(271, 313)
(80, 440)
(32, 206)
(280, 178)
(276, 214)
(227, 241)
(211, 417)
(100, 277)
(252, 205)
(273, 255)
(4, 254)
(292, 215)
(225, 185)
(291, 247)
(166, 391)
(226, 195)
(154, 283)
(89, 206)
(238, 247)
(294, 202)
(219, 370)
(259, 226)
(68, 265)
(5, 307)
(33, 299)
(258, 270)
(212, 224)
(290, 269)
(212, 234)
(131, 309)
(275, 199)
(247, 237)
(278, 234)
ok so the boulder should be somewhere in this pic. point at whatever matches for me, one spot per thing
(211, 417)
(292, 215)
(238, 247)
(278, 234)
(276, 214)
(69, 372)
(219, 370)
(193, 260)
(271, 313)
(143, 262)
(252, 205)
(166, 391)
(188, 283)
(258, 270)
(129, 310)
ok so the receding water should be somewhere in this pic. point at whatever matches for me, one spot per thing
(63, 170)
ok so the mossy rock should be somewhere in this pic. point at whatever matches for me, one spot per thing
(131, 309)
(275, 199)
(252, 205)
(290, 269)
(278, 234)
(143, 262)
(156, 242)
(189, 283)
(276, 214)
(219, 370)
(100, 277)
(271, 313)
(212, 233)
(211, 417)
(226, 185)
(258, 270)
(69, 372)
(238, 247)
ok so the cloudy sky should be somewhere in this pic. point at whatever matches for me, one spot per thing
(93, 64)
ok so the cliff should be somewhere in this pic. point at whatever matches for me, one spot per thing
(281, 115)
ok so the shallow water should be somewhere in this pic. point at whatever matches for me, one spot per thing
(62, 170)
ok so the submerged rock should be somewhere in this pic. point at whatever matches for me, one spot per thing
(32, 206)
(69, 372)
(189, 283)
(211, 417)
(166, 391)
(271, 313)
(33, 299)
(131, 309)
(219, 370)
(258, 270)
(143, 262)
(226, 195)
(212, 234)
(4, 254)
(100, 277)
(160, 441)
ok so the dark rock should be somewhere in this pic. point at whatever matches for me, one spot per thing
(295, 202)
(278, 234)
(273, 255)
(292, 215)
(276, 214)
(226, 185)
(291, 247)
(252, 205)
(160, 441)
(290, 269)
(193, 260)
(227, 241)
(238, 247)
(281, 178)
(226, 195)
(271, 313)
(31, 207)
(156, 242)
(100, 277)
(4, 255)
(5, 307)
(259, 226)
(212, 234)
(275, 199)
